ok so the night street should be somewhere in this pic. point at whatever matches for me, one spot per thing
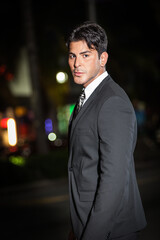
(38, 211)
(41, 210)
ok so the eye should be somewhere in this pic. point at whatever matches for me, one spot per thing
(71, 56)
(85, 55)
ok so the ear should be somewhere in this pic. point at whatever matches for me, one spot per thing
(103, 59)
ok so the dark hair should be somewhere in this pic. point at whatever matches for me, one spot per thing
(93, 34)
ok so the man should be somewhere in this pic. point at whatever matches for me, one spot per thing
(104, 197)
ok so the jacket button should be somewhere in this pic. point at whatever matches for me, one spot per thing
(71, 169)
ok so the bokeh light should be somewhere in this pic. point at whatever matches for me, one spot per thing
(61, 77)
(52, 137)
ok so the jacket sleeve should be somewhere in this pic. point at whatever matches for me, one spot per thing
(116, 124)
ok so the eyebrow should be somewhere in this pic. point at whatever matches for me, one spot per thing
(81, 53)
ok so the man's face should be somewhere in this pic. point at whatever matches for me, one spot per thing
(84, 63)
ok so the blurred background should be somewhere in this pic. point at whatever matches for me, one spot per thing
(37, 96)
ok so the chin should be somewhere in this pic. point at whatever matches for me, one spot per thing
(79, 81)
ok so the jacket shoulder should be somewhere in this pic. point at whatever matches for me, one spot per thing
(111, 89)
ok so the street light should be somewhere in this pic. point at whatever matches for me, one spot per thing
(12, 132)
(61, 77)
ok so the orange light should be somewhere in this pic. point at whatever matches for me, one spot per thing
(20, 111)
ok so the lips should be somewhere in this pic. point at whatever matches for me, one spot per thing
(78, 73)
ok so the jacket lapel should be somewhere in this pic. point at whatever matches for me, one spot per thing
(91, 99)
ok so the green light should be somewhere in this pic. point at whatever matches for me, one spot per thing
(17, 160)
(64, 113)
(71, 107)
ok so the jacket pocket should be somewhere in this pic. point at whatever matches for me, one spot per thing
(87, 196)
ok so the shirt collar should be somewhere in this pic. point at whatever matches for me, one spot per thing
(93, 85)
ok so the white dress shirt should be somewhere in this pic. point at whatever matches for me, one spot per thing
(93, 85)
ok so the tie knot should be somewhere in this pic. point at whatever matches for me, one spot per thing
(82, 95)
(79, 103)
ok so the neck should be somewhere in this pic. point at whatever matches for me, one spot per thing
(102, 70)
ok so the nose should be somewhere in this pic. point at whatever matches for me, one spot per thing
(77, 62)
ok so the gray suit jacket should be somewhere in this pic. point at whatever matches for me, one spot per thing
(104, 197)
